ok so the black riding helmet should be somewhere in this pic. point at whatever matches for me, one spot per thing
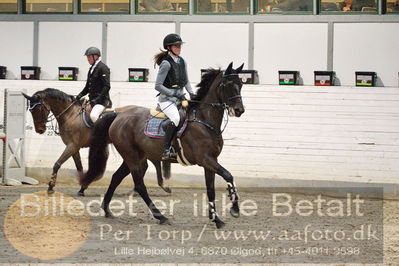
(92, 51)
(171, 39)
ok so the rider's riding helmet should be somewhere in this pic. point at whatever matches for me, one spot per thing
(171, 39)
(92, 51)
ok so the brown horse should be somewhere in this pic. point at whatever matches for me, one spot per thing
(72, 129)
(201, 142)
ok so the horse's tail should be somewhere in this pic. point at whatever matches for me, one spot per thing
(98, 152)
(166, 169)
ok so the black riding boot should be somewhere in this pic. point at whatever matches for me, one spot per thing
(170, 133)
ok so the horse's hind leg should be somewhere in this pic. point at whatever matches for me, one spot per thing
(210, 190)
(117, 178)
(139, 186)
(158, 168)
(137, 163)
(78, 162)
(67, 153)
(79, 168)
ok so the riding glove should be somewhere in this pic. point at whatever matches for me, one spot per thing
(179, 95)
(192, 95)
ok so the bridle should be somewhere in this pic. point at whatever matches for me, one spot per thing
(31, 108)
(225, 106)
(223, 85)
(51, 117)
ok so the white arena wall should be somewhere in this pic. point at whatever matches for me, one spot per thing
(132, 45)
(16, 47)
(60, 44)
(367, 47)
(291, 133)
(276, 46)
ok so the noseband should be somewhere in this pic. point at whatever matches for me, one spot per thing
(36, 105)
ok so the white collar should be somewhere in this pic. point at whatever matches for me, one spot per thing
(174, 57)
(95, 64)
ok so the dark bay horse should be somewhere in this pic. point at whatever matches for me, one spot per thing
(202, 141)
(73, 131)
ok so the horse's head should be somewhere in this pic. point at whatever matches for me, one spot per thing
(229, 91)
(39, 110)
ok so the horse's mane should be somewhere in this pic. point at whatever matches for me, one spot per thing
(55, 94)
(205, 84)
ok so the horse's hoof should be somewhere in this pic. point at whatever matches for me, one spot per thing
(109, 215)
(81, 194)
(164, 220)
(167, 189)
(234, 213)
(219, 224)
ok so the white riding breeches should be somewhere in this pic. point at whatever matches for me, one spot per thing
(171, 111)
(96, 112)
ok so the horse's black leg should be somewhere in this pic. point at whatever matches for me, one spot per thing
(117, 178)
(67, 153)
(210, 189)
(78, 162)
(212, 165)
(158, 168)
(139, 187)
(79, 168)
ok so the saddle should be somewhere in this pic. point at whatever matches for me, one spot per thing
(86, 110)
(155, 127)
(157, 121)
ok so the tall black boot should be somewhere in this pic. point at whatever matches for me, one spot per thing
(170, 133)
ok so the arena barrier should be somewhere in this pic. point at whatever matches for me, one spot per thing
(13, 138)
(306, 136)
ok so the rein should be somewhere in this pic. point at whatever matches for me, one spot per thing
(195, 119)
(225, 107)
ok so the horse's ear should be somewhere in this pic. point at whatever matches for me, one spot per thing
(238, 70)
(27, 96)
(229, 69)
(33, 98)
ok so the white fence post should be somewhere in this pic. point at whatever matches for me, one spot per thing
(14, 139)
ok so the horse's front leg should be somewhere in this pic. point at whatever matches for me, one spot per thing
(68, 152)
(212, 165)
(210, 190)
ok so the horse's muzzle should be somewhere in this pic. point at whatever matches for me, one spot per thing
(40, 130)
(239, 111)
